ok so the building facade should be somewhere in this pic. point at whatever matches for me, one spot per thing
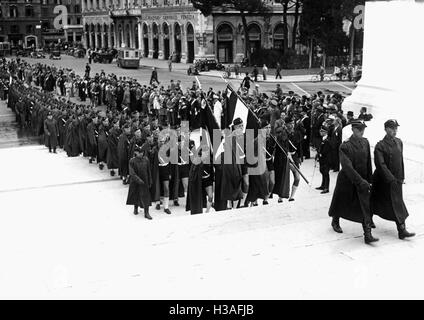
(30, 23)
(164, 28)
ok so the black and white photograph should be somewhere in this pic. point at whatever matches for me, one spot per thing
(231, 150)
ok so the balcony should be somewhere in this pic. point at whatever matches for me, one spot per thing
(130, 12)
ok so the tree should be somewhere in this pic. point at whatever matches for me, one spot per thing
(348, 13)
(245, 7)
(322, 23)
(297, 6)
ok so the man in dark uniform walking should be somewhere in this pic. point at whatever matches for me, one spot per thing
(386, 194)
(351, 198)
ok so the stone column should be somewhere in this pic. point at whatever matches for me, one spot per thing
(74, 36)
(150, 35)
(171, 40)
(183, 44)
(131, 44)
(140, 37)
(109, 37)
(102, 39)
(83, 5)
(160, 40)
(88, 6)
(96, 40)
(95, 5)
(66, 35)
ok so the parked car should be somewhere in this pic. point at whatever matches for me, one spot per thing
(208, 64)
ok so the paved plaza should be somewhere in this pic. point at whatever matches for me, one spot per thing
(65, 232)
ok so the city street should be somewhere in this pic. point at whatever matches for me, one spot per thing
(65, 232)
(180, 72)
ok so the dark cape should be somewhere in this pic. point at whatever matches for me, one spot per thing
(282, 169)
(154, 169)
(102, 144)
(351, 198)
(112, 151)
(231, 175)
(123, 154)
(140, 182)
(72, 145)
(196, 195)
(258, 183)
(386, 194)
(91, 142)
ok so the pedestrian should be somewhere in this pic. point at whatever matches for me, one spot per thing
(321, 73)
(351, 198)
(264, 71)
(255, 73)
(245, 84)
(154, 77)
(88, 69)
(170, 63)
(278, 71)
(389, 175)
(140, 181)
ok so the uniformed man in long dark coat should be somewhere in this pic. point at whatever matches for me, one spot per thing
(102, 143)
(386, 194)
(351, 198)
(112, 151)
(51, 132)
(140, 181)
(123, 152)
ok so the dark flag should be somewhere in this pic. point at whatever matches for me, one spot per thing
(236, 108)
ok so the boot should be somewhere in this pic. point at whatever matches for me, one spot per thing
(403, 233)
(135, 210)
(335, 223)
(368, 238)
(176, 204)
(112, 173)
(147, 215)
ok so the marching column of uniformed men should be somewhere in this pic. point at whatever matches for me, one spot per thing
(129, 141)
(367, 193)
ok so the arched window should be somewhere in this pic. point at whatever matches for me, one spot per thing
(254, 32)
(29, 11)
(278, 37)
(13, 11)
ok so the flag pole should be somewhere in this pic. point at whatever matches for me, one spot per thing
(274, 138)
